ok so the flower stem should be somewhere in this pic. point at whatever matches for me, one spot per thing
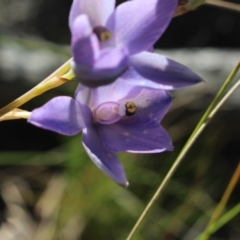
(220, 207)
(52, 81)
(222, 221)
(199, 128)
(15, 114)
(223, 4)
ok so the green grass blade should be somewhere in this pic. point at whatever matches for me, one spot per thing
(222, 221)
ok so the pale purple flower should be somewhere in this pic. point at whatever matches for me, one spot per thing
(119, 117)
(106, 41)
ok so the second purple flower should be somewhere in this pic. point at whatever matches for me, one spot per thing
(106, 41)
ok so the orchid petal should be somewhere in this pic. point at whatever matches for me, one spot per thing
(84, 51)
(114, 92)
(138, 24)
(81, 28)
(63, 115)
(83, 95)
(142, 136)
(85, 46)
(150, 103)
(168, 73)
(131, 76)
(109, 65)
(105, 160)
(97, 10)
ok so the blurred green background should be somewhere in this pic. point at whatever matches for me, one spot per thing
(49, 187)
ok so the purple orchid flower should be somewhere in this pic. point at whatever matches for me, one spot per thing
(119, 117)
(108, 41)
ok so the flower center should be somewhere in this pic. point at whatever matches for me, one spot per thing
(107, 113)
(102, 33)
(130, 108)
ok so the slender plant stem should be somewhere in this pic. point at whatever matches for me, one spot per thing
(226, 5)
(234, 88)
(15, 114)
(217, 97)
(56, 79)
(223, 220)
(201, 125)
(221, 206)
(60, 71)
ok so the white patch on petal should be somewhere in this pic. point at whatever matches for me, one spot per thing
(126, 134)
(94, 158)
(150, 151)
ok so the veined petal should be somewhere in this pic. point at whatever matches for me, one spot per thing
(133, 77)
(114, 92)
(109, 65)
(80, 28)
(168, 73)
(84, 94)
(85, 51)
(138, 24)
(142, 136)
(152, 103)
(105, 160)
(98, 11)
(63, 115)
(84, 44)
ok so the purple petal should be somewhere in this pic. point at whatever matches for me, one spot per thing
(84, 51)
(98, 11)
(143, 136)
(105, 160)
(168, 73)
(150, 103)
(83, 95)
(63, 115)
(131, 76)
(81, 28)
(114, 92)
(138, 24)
(85, 46)
(108, 66)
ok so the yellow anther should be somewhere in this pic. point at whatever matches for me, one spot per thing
(102, 33)
(104, 36)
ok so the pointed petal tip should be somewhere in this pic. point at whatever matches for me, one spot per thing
(169, 74)
(125, 184)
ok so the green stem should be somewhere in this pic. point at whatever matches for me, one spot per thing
(222, 221)
(193, 4)
(221, 205)
(225, 5)
(52, 81)
(201, 125)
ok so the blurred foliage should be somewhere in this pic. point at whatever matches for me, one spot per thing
(51, 190)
